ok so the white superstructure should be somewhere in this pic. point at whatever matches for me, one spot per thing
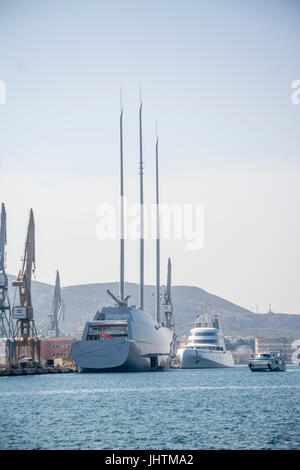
(205, 347)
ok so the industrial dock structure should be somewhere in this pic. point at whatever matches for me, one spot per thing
(57, 349)
(283, 345)
(24, 352)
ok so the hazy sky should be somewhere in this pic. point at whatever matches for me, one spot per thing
(216, 75)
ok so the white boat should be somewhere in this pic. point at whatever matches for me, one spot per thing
(205, 347)
(267, 362)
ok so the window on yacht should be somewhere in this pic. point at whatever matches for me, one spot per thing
(205, 333)
(204, 341)
(95, 333)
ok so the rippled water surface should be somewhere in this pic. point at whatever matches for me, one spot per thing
(179, 409)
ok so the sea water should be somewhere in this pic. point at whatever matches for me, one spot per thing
(178, 409)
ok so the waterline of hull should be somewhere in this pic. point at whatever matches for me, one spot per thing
(193, 359)
(132, 362)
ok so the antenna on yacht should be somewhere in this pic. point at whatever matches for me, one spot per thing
(157, 304)
(121, 287)
(141, 290)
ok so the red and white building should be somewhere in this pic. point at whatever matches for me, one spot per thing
(57, 348)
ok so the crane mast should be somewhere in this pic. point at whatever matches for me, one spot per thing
(25, 331)
(141, 165)
(5, 308)
(57, 311)
(122, 236)
(168, 307)
(157, 287)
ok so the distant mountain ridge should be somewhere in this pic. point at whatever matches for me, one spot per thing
(82, 301)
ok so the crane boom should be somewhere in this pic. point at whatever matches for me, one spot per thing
(168, 307)
(6, 325)
(23, 280)
(25, 333)
(3, 239)
(169, 281)
(57, 310)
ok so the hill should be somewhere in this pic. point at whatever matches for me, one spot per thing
(82, 301)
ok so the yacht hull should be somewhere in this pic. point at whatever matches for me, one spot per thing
(121, 357)
(146, 348)
(195, 359)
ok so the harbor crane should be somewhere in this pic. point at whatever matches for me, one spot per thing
(168, 311)
(57, 311)
(168, 307)
(6, 324)
(25, 330)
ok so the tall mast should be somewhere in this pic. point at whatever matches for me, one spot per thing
(26, 334)
(157, 304)
(6, 326)
(121, 301)
(121, 287)
(2, 239)
(168, 307)
(141, 290)
(169, 280)
(57, 310)
(23, 280)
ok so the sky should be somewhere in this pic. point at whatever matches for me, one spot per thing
(217, 78)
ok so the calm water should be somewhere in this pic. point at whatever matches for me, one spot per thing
(179, 409)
